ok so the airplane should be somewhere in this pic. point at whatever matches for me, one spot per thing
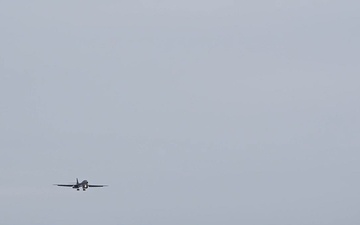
(84, 185)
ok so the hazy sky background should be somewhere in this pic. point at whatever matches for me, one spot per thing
(194, 112)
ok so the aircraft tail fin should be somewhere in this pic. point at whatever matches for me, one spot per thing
(77, 181)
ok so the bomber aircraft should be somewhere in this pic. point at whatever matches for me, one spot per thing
(84, 185)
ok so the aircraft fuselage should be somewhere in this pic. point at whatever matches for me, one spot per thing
(84, 185)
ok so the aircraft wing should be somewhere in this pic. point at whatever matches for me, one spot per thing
(91, 185)
(64, 185)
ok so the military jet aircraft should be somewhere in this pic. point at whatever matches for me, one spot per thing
(84, 185)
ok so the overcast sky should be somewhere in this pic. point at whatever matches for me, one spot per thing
(194, 112)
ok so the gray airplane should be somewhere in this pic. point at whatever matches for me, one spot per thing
(84, 185)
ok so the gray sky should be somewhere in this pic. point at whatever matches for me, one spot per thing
(194, 112)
